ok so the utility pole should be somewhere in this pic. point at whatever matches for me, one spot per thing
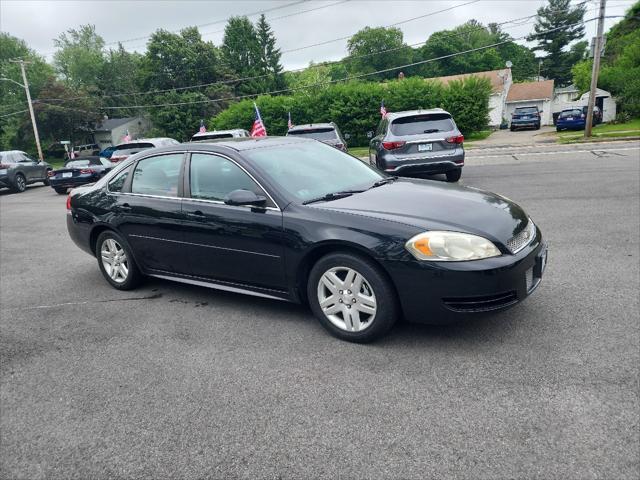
(595, 71)
(33, 116)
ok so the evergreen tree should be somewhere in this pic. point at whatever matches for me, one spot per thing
(269, 57)
(241, 52)
(557, 25)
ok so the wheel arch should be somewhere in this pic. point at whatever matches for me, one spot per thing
(325, 248)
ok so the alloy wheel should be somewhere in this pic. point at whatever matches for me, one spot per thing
(347, 299)
(114, 260)
(21, 183)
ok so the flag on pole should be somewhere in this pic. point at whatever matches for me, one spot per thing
(383, 111)
(127, 137)
(258, 129)
(203, 129)
(289, 123)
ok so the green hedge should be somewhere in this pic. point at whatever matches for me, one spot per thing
(355, 106)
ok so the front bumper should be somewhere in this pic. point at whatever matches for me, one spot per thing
(445, 292)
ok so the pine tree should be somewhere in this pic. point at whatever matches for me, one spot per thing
(557, 25)
(241, 53)
(269, 57)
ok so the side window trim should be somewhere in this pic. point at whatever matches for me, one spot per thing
(187, 181)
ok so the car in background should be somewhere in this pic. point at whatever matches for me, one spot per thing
(293, 219)
(572, 119)
(107, 152)
(18, 169)
(525, 117)
(78, 172)
(418, 142)
(125, 150)
(87, 150)
(220, 135)
(328, 133)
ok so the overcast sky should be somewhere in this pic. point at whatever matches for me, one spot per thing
(39, 22)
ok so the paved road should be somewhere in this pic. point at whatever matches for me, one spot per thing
(518, 137)
(173, 381)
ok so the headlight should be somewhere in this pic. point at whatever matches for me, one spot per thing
(450, 247)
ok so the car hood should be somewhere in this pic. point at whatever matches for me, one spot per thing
(432, 205)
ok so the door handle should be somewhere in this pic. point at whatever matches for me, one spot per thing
(126, 207)
(197, 215)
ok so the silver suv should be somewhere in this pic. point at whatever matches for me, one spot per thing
(418, 142)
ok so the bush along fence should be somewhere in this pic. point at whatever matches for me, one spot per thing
(355, 106)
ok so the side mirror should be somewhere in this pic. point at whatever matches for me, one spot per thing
(245, 197)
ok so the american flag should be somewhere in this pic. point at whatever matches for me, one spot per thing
(258, 129)
(127, 137)
(383, 111)
(203, 129)
(289, 123)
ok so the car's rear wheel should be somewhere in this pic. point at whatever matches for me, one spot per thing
(454, 175)
(116, 262)
(351, 297)
(19, 183)
(60, 190)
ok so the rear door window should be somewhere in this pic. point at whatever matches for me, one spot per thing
(158, 176)
(420, 124)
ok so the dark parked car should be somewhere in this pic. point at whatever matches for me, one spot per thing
(125, 150)
(79, 172)
(572, 119)
(418, 142)
(219, 135)
(525, 117)
(18, 169)
(328, 133)
(293, 219)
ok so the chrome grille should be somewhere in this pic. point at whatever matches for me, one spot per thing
(523, 238)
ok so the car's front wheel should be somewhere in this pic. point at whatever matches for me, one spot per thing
(116, 262)
(60, 190)
(351, 297)
(19, 183)
(454, 175)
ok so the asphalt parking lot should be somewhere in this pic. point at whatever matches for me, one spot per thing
(175, 381)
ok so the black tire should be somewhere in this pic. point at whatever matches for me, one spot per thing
(19, 183)
(374, 281)
(133, 277)
(45, 182)
(512, 129)
(558, 129)
(454, 175)
(538, 126)
(60, 190)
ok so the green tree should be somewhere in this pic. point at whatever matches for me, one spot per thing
(558, 24)
(241, 52)
(363, 48)
(121, 77)
(269, 58)
(79, 58)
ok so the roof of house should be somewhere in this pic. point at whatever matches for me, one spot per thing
(496, 77)
(530, 91)
(111, 123)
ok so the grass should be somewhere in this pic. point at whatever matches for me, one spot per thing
(608, 130)
(475, 136)
(359, 151)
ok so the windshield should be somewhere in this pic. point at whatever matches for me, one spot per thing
(571, 113)
(309, 170)
(418, 124)
(526, 110)
(316, 133)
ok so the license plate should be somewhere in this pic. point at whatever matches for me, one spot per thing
(67, 174)
(425, 147)
(3, 171)
(569, 118)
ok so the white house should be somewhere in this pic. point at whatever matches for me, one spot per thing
(501, 81)
(531, 94)
(111, 131)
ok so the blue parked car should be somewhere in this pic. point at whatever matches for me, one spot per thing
(572, 119)
(107, 152)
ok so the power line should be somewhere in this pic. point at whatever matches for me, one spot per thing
(14, 113)
(328, 82)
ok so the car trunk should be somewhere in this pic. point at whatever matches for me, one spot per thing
(423, 135)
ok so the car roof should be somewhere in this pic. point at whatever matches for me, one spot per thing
(12, 151)
(310, 126)
(410, 113)
(154, 141)
(216, 132)
(238, 144)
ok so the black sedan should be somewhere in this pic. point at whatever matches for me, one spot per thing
(294, 219)
(79, 172)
